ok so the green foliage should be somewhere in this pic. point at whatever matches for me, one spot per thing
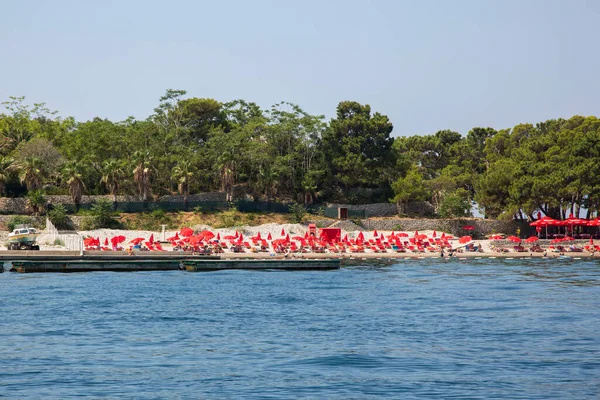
(36, 201)
(102, 211)
(58, 242)
(190, 145)
(18, 220)
(58, 216)
(228, 219)
(298, 212)
(198, 209)
(455, 205)
(410, 188)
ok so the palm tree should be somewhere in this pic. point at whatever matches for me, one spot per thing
(32, 172)
(141, 174)
(112, 172)
(5, 171)
(182, 172)
(72, 174)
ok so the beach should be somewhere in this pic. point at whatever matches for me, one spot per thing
(486, 247)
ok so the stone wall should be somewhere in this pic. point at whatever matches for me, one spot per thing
(18, 205)
(483, 227)
(420, 208)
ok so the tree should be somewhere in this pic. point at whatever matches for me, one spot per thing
(71, 173)
(112, 173)
(32, 172)
(409, 188)
(358, 146)
(36, 201)
(141, 174)
(6, 164)
(183, 173)
(455, 205)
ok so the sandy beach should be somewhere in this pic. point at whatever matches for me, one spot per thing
(488, 248)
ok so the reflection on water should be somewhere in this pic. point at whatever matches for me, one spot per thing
(428, 328)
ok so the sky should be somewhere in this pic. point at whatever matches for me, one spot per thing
(427, 65)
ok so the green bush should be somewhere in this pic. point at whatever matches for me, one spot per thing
(103, 214)
(87, 224)
(18, 220)
(58, 216)
(58, 242)
(298, 212)
(36, 201)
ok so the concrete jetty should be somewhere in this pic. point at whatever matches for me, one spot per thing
(37, 261)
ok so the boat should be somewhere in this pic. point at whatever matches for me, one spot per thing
(23, 237)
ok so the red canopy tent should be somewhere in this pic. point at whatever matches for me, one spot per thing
(545, 221)
(331, 235)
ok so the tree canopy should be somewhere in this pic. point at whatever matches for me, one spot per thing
(189, 145)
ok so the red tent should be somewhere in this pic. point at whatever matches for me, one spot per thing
(331, 235)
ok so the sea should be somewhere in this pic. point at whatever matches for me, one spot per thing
(408, 329)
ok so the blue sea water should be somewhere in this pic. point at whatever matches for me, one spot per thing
(476, 329)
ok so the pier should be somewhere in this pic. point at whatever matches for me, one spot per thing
(65, 262)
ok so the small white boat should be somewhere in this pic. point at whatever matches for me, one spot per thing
(23, 238)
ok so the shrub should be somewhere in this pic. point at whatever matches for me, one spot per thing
(58, 242)
(36, 201)
(455, 205)
(103, 214)
(298, 212)
(58, 216)
(18, 220)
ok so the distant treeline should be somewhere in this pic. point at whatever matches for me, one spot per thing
(190, 145)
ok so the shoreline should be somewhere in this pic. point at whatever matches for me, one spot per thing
(90, 255)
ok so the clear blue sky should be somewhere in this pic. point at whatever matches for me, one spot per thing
(428, 65)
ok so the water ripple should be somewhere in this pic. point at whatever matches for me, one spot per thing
(512, 329)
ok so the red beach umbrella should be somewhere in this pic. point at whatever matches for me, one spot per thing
(514, 239)
(173, 238)
(136, 241)
(151, 240)
(375, 233)
(434, 234)
(402, 234)
(282, 232)
(269, 237)
(187, 232)
(218, 236)
(465, 239)
(531, 239)
(106, 241)
(229, 237)
(287, 238)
